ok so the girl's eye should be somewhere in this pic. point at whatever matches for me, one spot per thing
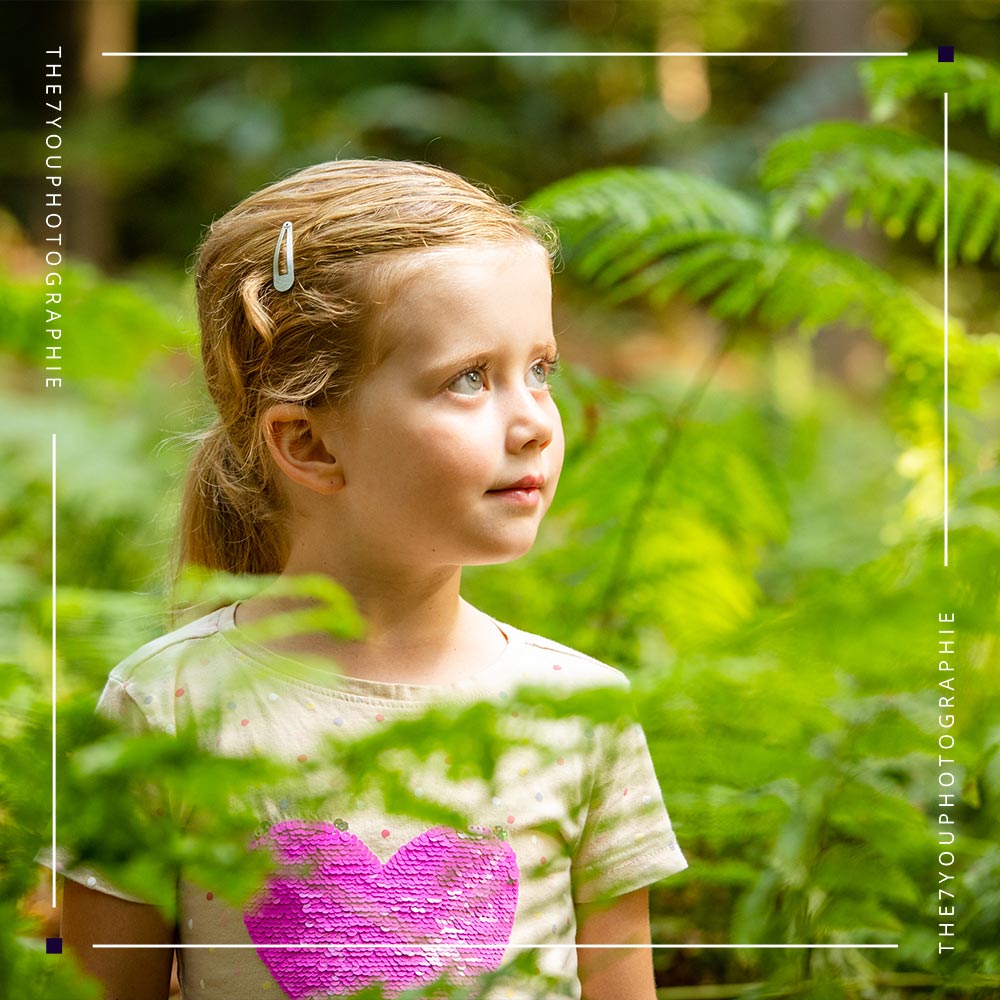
(540, 373)
(468, 383)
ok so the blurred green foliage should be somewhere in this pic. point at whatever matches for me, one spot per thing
(764, 562)
(804, 680)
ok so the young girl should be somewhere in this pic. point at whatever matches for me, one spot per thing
(377, 338)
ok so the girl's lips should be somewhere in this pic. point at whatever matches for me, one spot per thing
(525, 492)
(527, 496)
(524, 483)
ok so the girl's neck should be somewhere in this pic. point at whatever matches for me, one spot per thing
(419, 629)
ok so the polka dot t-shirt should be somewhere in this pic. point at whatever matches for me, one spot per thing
(574, 814)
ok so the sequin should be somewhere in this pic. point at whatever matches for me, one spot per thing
(441, 884)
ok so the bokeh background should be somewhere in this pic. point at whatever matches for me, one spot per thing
(749, 310)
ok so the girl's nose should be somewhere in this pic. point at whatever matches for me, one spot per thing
(532, 420)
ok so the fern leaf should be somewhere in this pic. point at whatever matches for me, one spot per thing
(629, 227)
(606, 210)
(631, 237)
(972, 85)
(904, 208)
(930, 220)
(895, 178)
(982, 226)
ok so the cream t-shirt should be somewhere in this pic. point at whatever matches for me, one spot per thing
(574, 814)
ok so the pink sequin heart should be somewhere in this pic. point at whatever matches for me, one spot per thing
(440, 887)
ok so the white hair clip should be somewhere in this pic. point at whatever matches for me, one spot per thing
(282, 282)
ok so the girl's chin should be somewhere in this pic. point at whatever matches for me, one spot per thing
(503, 552)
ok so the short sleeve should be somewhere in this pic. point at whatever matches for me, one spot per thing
(627, 841)
(117, 706)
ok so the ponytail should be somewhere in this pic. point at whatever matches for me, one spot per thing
(230, 520)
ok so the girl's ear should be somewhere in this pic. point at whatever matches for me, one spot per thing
(293, 437)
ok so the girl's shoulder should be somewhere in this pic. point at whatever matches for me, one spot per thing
(166, 652)
(555, 663)
(155, 687)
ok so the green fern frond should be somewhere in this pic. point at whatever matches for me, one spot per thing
(972, 85)
(621, 219)
(894, 178)
(651, 233)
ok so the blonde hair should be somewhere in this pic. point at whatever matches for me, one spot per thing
(354, 222)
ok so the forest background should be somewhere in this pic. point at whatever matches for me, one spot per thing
(750, 523)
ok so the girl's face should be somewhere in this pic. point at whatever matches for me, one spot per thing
(451, 448)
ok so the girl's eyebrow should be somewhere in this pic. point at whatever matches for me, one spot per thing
(474, 358)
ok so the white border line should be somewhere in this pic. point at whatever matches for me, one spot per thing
(504, 945)
(54, 879)
(945, 237)
(500, 944)
(523, 55)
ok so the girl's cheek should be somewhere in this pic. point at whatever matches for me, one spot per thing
(467, 432)
(557, 447)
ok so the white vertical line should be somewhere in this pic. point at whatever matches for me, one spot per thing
(945, 497)
(54, 880)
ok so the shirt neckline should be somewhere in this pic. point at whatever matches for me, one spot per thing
(321, 671)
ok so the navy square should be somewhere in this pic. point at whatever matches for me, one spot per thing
(53, 946)
(946, 53)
